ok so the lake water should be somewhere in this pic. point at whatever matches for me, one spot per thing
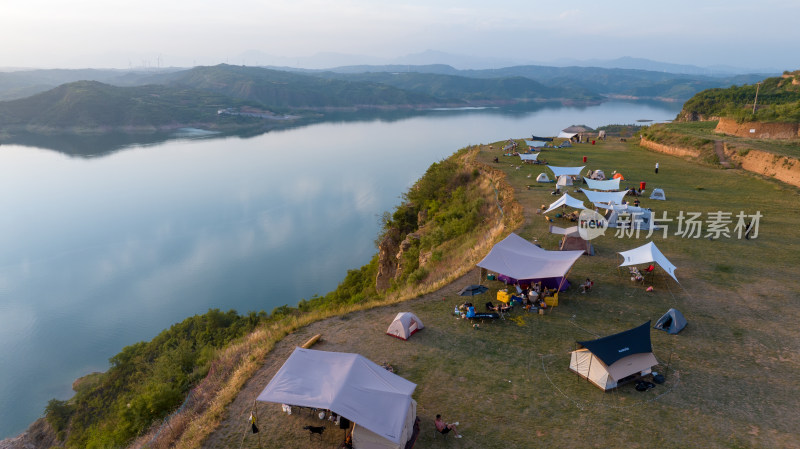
(101, 252)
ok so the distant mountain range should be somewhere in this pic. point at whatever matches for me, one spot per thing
(99, 100)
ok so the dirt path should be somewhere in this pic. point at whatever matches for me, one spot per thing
(719, 148)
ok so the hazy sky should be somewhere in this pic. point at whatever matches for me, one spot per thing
(133, 33)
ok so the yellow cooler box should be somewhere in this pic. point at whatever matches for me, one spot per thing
(503, 296)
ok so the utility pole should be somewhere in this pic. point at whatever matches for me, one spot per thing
(758, 84)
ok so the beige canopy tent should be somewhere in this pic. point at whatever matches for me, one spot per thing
(378, 402)
(516, 259)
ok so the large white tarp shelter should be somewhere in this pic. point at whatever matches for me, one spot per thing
(608, 184)
(520, 259)
(535, 143)
(608, 361)
(566, 171)
(565, 200)
(565, 135)
(604, 198)
(528, 157)
(350, 386)
(648, 253)
(627, 216)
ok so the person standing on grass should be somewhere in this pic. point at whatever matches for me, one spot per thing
(656, 167)
(445, 428)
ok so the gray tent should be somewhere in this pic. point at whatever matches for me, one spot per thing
(672, 322)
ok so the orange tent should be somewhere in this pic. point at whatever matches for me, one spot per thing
(619, 176)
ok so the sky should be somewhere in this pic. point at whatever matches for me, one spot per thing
(182, 33)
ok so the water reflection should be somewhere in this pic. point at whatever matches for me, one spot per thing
(95, 145)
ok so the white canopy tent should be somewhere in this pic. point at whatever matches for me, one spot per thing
(608, 184)
(602, 199)
(565, 200)
(350, 386)
(564, 135)
(648, 253)
(520, 259)
(528, 157)
(566, 171)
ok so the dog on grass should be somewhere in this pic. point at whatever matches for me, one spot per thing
(314, 429)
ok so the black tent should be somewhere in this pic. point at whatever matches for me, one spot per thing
(611, 361)
(614, 347)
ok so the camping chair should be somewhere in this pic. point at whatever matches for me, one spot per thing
(648, 272)
(551, 301)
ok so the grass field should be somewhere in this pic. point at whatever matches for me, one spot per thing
(731, 374)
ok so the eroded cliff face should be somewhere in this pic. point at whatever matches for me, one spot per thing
(782, 168)
(758, 130)
(387, 262)
(668, 149)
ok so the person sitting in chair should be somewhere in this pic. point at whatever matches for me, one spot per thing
(471, 311)
(445, 428)
(491, 307)
(586, 286)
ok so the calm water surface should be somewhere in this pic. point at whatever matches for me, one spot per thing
(99, 253)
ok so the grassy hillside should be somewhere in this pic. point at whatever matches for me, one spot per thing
(283, 90)
(471, 89)
(91, 105)
(579, 81)
(778, 101)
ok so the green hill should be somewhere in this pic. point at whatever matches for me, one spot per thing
(511, 88)
(91, 104)
(778, 101)
(285, 90)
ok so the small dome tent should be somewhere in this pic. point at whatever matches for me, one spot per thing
(658, 194)
(671, 322)
(542, 178)
(564, 181)
(404, 325)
